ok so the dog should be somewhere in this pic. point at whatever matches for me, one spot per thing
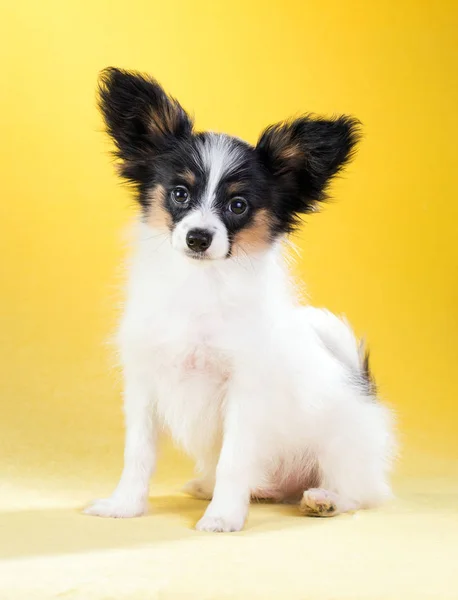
(273, 400)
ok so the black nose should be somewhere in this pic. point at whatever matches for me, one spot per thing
(199, 240)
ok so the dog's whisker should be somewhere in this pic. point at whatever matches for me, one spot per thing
(154, 237)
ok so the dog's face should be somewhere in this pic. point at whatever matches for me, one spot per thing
(214, 195)
(210, 192)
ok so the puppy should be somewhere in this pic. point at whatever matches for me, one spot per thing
(273, 400)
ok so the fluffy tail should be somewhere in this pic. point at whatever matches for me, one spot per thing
(338, 337)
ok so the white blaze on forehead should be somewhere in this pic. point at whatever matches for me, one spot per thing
(220, 156)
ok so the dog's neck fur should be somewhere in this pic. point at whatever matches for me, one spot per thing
(242, 280)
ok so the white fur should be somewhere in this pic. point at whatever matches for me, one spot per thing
(259, 390)
(219, 157)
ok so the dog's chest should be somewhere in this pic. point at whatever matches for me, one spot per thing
(189, 340)
(190, 370)
(179, 334)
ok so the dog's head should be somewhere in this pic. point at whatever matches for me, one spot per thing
(213, 194)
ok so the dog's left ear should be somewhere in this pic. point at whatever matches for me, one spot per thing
(302, 156)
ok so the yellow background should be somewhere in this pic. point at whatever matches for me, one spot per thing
(385, 253)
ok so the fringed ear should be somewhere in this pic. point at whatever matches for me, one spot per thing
(142, 120)
(302, 156)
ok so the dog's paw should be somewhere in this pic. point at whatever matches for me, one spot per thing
(116, 508)
(198, 488)
(317, 502)
(220, 524)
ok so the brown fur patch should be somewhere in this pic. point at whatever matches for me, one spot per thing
(189, 177)
(234, 188)
(292, 152)
(166, 120)
(257, 236)
(158, 217)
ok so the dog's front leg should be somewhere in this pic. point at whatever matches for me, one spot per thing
(238, 465)
(130, 498)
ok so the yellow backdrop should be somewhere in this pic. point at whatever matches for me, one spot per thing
(385, 253)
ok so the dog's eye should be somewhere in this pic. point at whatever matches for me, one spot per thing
(180, 194)
(238, 206)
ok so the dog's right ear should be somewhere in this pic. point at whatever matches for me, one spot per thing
(142, 120)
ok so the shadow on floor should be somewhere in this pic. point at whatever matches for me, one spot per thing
(171, 517)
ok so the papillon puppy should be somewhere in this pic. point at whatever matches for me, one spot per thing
(273, 400)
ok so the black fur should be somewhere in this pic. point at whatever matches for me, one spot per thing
(368, 377)
(302, 156)
(287, 173)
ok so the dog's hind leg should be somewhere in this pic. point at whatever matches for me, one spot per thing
(353, 454)
(199, 488)
(317, 502)
(202, 487)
